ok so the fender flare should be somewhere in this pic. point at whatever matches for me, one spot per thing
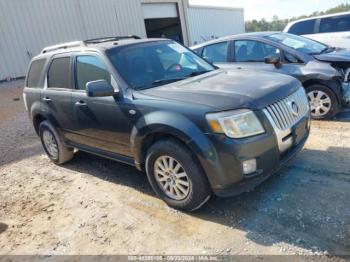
(177, 126)
(333, 84)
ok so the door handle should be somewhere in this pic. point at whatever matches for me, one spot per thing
(80, 103)
(47, 99)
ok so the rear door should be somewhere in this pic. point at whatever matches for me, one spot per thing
(99, 122)
(334, 31)
(56, 95)
(305, 28)
(217, 53)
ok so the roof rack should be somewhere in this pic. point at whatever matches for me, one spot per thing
(62, 46)
(89, 41)
(110, 39)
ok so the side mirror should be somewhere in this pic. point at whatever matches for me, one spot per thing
(99, 88)
(274, 59)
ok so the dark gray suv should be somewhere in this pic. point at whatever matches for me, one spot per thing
(154, 104)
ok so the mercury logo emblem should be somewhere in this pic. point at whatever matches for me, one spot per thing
(295, 108)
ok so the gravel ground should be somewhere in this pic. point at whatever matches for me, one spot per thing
(96, 206)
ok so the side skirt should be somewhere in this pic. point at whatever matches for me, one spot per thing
(106, 154)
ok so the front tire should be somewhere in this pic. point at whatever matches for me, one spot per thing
(54, 147)
(175, 176)
(323, 102)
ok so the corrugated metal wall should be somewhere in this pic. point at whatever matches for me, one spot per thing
(26, 26)
(206, 23)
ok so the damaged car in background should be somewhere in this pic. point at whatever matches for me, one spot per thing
(323, 70)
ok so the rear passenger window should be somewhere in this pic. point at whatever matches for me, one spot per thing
(216, 53)
(303, 27)
(35, 70)
(335, 24)
(59, 73)
(90, 68)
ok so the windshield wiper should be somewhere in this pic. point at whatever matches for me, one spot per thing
(167, 80)
(171, 80)
(327, 49)
(198, 73)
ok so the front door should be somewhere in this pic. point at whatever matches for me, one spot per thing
(250, 54)
(100, 122)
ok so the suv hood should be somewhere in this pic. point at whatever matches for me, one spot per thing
(341, 56)
(229, 89)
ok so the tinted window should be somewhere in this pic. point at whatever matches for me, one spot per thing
(253, 51)
(335, 24)
(59, 73)
(35, 70)
(216, 53)
(156, 63)
(291, 58)
(90, 68)
(303, 27)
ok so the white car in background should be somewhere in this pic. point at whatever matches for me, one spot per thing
(333, 30)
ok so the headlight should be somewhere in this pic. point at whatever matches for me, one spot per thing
(235, 124)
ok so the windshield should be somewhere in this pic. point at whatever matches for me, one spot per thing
(151, 64)
(299, 43)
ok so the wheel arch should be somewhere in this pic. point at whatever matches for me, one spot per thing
(162, 125)
(333, 85)
(37, 120)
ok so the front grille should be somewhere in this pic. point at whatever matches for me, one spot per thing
(287, 112)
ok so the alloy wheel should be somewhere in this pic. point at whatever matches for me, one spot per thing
(320, 103)
(50, 144)
(172, 177)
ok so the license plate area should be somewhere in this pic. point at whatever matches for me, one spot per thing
(299, 131)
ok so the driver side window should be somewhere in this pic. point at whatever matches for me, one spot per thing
(253, 51)
(90, 68)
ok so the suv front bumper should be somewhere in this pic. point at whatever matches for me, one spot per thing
(227, 177)
(253, 181)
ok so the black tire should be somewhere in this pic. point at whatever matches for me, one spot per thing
(199, 189)
(64, 153)
(335, 106)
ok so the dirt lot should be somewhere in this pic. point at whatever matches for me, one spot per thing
(97, 206)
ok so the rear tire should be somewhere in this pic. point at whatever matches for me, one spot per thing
(54, 147)
(323, 101)
(175, 176)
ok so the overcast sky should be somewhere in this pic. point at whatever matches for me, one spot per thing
(257, 9)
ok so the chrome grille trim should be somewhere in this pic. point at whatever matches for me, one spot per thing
(282, 119)
(281, 111)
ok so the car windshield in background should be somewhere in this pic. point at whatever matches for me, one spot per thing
(299, 43)
(156, 63)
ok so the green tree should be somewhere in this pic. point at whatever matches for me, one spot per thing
(278, 24)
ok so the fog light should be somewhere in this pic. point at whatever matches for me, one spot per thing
(249, 166)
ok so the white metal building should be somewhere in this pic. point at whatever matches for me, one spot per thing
(26, 26)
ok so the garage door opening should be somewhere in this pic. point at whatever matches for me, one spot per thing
(162, 20)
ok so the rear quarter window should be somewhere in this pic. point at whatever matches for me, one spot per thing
(35, 72)
(303, 27)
